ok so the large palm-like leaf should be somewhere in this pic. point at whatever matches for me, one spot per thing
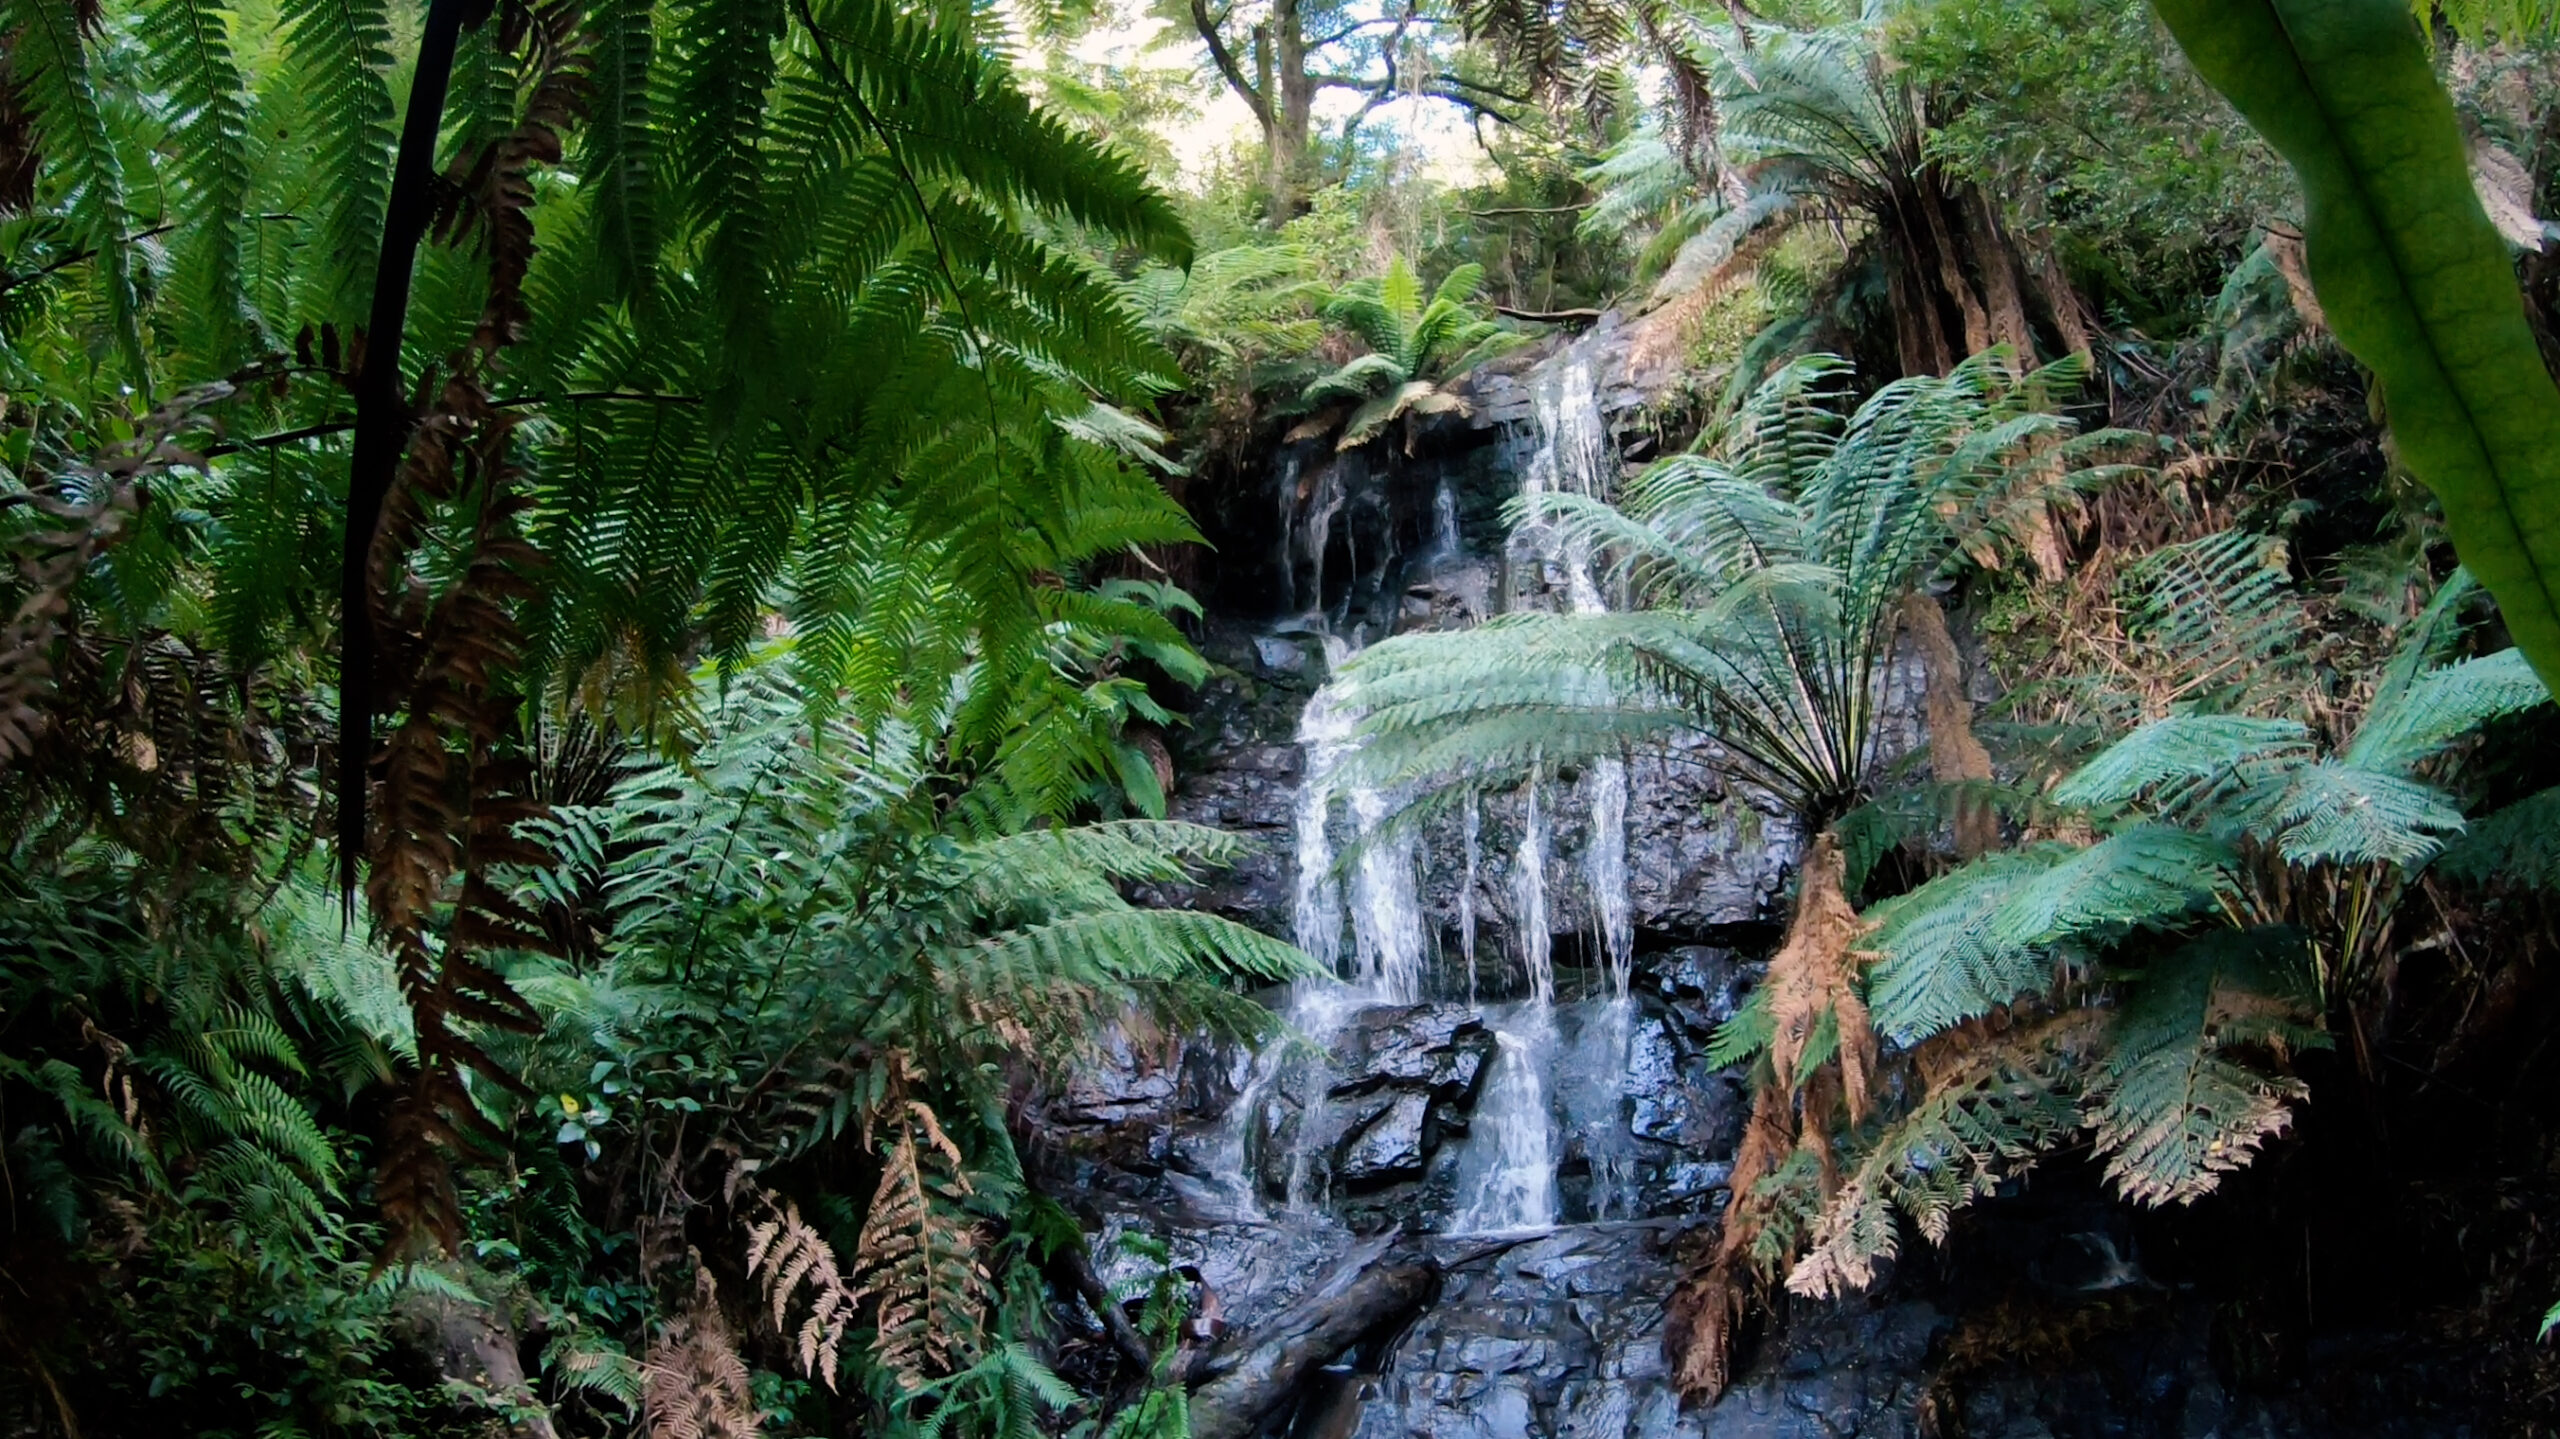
(1769, 569)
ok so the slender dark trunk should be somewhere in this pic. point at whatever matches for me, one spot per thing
(382, 419)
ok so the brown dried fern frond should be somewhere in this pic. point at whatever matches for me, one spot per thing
(1815, 973)
(1956, 754)
(787, 1257)
(693, 1384)
(445, 800)
(917, 1260)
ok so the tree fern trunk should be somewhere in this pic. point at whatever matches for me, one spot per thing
(382, 419)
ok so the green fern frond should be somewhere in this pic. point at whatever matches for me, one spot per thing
(2440, 706)
(2339, 813)
(2517, 845)
(339, 55)
(2189, 1090)
(190, 48)
(1993, 1113)
(2185, 759)
(1977, 939)
(49, 65)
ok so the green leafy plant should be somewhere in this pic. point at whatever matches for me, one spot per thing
(2146, 989)
(1415, 348)
(1768, 572)
(2410, 272)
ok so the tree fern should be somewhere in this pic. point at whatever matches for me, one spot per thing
(1773, 567)
(2183, 1097)
(1988, 1111)
(339, 55)
(192, 64)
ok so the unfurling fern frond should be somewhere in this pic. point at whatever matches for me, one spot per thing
(2188, 1092)
(917, 1261)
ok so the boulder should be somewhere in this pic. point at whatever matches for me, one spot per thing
(1390, 1146)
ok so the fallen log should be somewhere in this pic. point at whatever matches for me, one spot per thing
(1250, 1377)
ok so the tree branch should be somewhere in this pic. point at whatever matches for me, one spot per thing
(344, 423)
(1226, 63)
(1549, 317)
(1347, 31)
(75, 257)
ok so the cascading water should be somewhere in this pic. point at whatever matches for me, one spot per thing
(1471, 826)
(1529, 881)
(1386, 909)
(1324, 737)
(1370, 929)
(1288, 492)
(1510, 1169)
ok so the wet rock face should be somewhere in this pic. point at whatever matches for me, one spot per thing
(1560, 1335)
(1703, 856)
(1366, 1125)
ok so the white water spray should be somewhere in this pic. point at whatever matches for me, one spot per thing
(1510, 1165)
(1472, 825)
(1529, 882)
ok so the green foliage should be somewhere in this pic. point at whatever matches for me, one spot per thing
(2518, 845)
(2409, 270)
(2175, 1106)
(1772, 567)
(2078, 115)
(1415, 347)
(1974, 941)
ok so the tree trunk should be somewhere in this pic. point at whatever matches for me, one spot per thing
(382, 417)
(1293, 96)
(1997, 260)
(1933, 205)
(1956, 755)
(1253, 1374)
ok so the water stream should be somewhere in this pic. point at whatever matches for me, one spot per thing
(1509, 1165)
(1369, 926)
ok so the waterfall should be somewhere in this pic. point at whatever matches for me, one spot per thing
(1510, 1165)
(1444, 523)
(1529, 881)
(1233, 1166)
(1324, 734)
(1386, 905)
(1289, 464)
(1551, 1067)
(1605, 867)
(1472, 825)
